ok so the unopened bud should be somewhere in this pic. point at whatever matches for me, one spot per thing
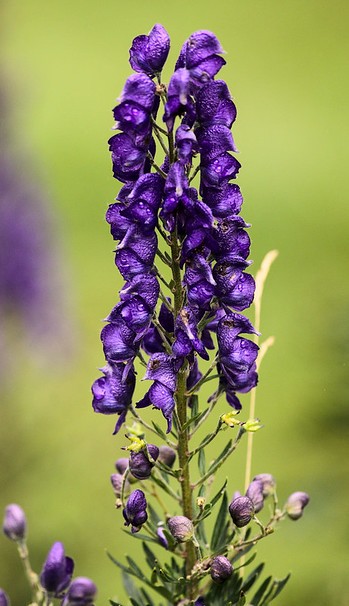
(81, 592)
(140, 463)
(167, 455)
(181, 528)
(221, 569)
(295, 504)
(4, 599)
(255, 493)
(252, 425)
(121, 465)
(162, 537)
(116, 481)
(268, 483)
(15, 523)
(241, 511)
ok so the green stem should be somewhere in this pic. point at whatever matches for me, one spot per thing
(32, 577)
(218, 464)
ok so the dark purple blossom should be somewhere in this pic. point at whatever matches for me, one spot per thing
(268, 483)
(179, 101)
(162, 370)
(57, 570)
(162, 537)
(135, 512)
(200, 55)
(181, 528)
(81, 592)
(4, 599)
(167, 455)
(295, 505)
(255, 492)
(112, 394)
(148, 53)
(15, 523)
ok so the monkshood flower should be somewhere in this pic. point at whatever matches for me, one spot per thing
(135, 512)
(162, 537)
(221, 569)
(57, 570)
(255, 493)
(4, 599)
(167, 455)
(268, 483)
(148, 53)
(81, 592)
(141, 463)
(162, 370)
(112, 394)
(295, 505)
(200, 55)
(15, 523)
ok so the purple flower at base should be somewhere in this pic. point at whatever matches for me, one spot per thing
(15, 523)
(57, 570)
(135, 512)
(4, 599)
(221, 569)
(255, 493)
(81, 592)
(148, 53)
(295, 505)
(112, 394)
(241, 510)
(140, 463)
(181, 528)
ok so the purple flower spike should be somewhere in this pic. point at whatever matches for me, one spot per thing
(149, 53)
(241, 510)
(4, 599)
(14, 524)
(57, 570)
(200, 55)
(81, 592)
(135, 512)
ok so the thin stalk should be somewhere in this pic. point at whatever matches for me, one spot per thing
(203, 378)
(32, 577)
(155, 166)
(219, 463)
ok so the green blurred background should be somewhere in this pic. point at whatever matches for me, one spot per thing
(64, 64)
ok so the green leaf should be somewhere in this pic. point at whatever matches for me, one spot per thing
(194, 406)
(131, 590)
(137, 571)
(252, 578)
(217, 461)
(149, 556)
(219, 494)
(275, 589)
(159, 431)
(115, 603)
(219, 532)
(141, 537)
(153, 515)
(202, 462)
(194, 419)
(260, 592)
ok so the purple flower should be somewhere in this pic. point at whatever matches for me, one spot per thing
(221, 569)
(241, 510)
(162, 370)
(214, 104)
(135, 512)
(15, 523)
(4, 599)
(137, 100)
(112, 394)
(149, 53)
(167, 455)
(268, 483)
(179, 101)
(142, 462)
(81, 592)
(295, 504)
(57, 570)
(200, 55)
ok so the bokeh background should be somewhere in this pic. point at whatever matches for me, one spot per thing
(63, 65)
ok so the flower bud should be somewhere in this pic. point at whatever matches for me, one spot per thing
(255, 493)
(181, 528)
(140, 464)
(167, 455)
(121, 465)
(268, 483)
(199, 602)
(241, 510)
(162, 537)
(295, 504)
(116, 481)
(81, 592)
(15, 523)
(221, 569)
(57, 571)
(4, 599)
(135, 512)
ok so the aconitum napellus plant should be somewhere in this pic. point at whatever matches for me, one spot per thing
(182, 249)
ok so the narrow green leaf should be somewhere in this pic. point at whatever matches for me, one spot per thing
(217, 461)
(252, 577)
(194, 419)
(141, 537)
(137, 571)
(275, 589)
(159, 431)
(149, 601)
(219, 532)
(218, 494)
(149, 556)
(202, 462)
(153, 515)
(260, 592)
(115, 603)
(131, 590)
(194, 406)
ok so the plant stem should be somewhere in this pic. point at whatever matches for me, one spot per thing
(30, 574)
